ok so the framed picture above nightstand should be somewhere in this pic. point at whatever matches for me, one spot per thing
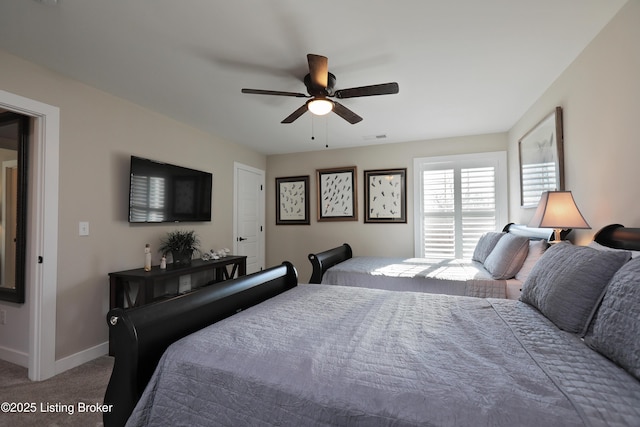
(541, 159)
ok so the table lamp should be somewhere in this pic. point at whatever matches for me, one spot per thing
(558, 210)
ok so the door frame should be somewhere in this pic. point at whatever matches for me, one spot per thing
(236, 168)
(6, 165)
(42, 236)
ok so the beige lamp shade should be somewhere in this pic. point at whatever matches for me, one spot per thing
(558, 210)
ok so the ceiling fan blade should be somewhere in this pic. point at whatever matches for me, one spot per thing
(346, 113)
(274, 92)
(318, 70)
(293, 116)
(381, 89)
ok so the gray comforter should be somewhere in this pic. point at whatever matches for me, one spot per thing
(450, 277)
(331, 356)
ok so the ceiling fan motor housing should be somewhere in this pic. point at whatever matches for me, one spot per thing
(315, 91)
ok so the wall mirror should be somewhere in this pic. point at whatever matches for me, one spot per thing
(14, 133)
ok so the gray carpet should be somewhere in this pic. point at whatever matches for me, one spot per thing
(58, 401)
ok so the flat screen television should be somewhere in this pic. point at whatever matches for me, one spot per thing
(161, 192)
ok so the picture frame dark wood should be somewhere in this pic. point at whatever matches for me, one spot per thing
(385, 196)
(337, 194)
(541, 152)
(292, 200)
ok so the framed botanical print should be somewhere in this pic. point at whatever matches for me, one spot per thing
(385, 196)
(292, 200)
(337, 194)
(541, 159)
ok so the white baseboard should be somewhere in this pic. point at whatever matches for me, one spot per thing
(81, 357)
(14, 356)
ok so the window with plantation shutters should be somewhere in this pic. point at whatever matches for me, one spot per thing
(457, 199)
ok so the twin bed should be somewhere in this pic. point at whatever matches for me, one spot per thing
(263, 350)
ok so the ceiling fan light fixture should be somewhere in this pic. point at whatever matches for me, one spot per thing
(320, 106)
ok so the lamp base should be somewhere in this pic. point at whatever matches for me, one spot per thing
(556, 234)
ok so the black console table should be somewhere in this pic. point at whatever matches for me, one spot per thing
(120, 282)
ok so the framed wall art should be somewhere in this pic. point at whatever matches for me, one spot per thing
(337, 197)
(385, 196)
(292, 200)
(541, 159)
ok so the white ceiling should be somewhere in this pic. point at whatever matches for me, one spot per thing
(464, 67)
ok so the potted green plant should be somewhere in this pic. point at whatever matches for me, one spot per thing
(181, 244)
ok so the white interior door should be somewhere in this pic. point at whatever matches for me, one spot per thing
(249, 209)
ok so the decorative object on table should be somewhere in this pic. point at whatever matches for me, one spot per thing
(337, 196)
(163, 263)
(147, 257)
(385, 195)
(181, 245)
(292, 200)
(542, 159)
(213, 254)
(558, 210)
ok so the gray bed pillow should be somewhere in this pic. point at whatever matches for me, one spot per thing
(507, 257)
(615, 331)
(485, 245)
(567, 284)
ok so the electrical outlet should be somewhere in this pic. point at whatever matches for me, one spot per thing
(3, 317)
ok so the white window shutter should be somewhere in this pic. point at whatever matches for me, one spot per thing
(458, 199)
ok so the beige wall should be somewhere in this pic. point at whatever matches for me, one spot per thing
(98, 134)
(600, 97)
(294, 242)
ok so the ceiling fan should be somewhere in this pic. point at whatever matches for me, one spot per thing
(320, 83)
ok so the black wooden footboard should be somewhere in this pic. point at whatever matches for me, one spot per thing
(140, 335)
(327, 259)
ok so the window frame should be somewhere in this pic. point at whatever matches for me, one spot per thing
(496, 159)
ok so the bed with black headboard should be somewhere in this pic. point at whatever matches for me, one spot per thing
(268, 352)
(500, 277)
(618, 236)
(141, 335)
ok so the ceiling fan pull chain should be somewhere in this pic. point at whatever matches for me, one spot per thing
(312, 128)
(326, 133)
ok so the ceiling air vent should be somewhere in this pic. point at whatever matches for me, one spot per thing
(372, 137)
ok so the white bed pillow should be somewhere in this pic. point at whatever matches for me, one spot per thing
(536, 249)
(506, 259)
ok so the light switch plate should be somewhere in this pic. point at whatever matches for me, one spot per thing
(83, 228)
